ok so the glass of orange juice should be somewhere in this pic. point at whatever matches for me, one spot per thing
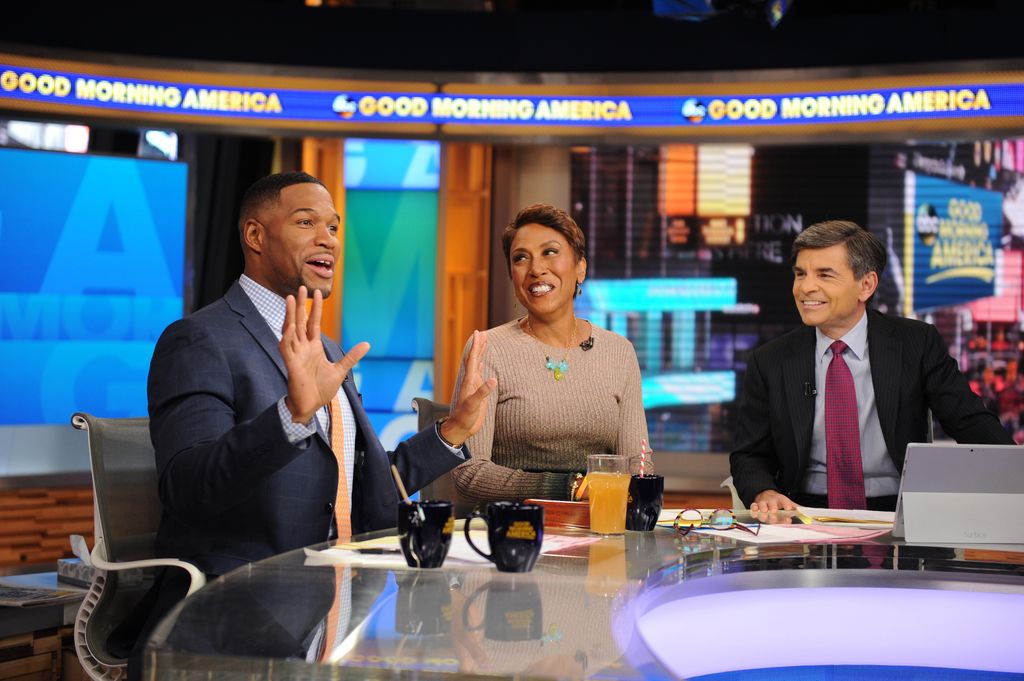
(608, 486)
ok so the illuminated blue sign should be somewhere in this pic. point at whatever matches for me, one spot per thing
(955, 235)
(689, 109)
(390, 266)
(392, 164)
(656, 295)
(673, 390)
(91, 271)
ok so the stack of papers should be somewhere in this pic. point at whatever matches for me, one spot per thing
(835, 516)
(37, 589)
(822, 525)
(801, 534)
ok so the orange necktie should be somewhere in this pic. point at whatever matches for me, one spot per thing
(331, 621)
(342, 517)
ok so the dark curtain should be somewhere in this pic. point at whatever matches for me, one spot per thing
(223, 168)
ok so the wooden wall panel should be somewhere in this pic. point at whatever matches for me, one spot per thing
(463, 243)
(324, 158)
(35, 523)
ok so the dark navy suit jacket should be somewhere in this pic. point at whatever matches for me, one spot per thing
(911, 371)
(234, 489)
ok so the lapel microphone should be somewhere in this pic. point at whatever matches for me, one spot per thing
(809, 390)
(587, 344)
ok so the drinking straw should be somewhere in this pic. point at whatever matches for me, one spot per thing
(405, 495)
(401, 487)
(580, 489)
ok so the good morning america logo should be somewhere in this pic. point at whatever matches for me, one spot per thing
(832, 106)
(441, 108)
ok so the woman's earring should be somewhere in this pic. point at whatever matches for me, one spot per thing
(579, 289)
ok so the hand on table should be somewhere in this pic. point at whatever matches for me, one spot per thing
(771, 501)
(767, 506)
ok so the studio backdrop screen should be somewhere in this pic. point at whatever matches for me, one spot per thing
(91, 271)
(689, 257)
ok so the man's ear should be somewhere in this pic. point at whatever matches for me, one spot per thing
(253, 235)
(867, 284)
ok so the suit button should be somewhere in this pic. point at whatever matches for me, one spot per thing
(329, 507)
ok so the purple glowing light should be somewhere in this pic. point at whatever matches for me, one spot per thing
(788, 627)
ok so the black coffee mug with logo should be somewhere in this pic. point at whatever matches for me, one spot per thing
(423, 605)
(425, 532)
(643, 506)
(512, 610)
(514, 531)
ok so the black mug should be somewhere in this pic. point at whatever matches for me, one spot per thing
(643, 506)
(423, 606)
(514, 531)
(512, 610)
(425, 532)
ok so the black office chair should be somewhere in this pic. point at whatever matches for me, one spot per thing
(126, 508)
(443, 487)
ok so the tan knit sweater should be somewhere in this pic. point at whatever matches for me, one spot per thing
(538, 431)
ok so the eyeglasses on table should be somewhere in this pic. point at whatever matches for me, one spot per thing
(690, 519)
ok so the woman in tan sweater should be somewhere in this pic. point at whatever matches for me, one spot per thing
(566, 388)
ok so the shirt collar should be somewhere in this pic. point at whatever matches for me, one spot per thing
(268, 304)
(856, 339)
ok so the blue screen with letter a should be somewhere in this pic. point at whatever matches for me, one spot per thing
(92, 255)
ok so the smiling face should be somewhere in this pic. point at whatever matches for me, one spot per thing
(827, 293)
(544, 270)
(294, 242)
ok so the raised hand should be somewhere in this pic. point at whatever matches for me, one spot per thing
(468, 413)
(313, 380)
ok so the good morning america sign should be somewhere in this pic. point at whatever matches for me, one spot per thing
(688, 109)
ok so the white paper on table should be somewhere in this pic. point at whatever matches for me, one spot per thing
(846, 517)
(790, 534)
(461, 551)
(391, 556)
(553, 543)
(334, 556)
(668, 515)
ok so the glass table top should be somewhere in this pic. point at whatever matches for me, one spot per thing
(640, 606)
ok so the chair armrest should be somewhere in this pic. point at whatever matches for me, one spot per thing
(737, 503)
(197, 578)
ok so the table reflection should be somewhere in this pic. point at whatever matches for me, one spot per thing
(580, 613)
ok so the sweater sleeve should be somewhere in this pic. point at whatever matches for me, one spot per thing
(480, 479)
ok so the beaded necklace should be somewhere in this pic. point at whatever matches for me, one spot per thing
(560, 368)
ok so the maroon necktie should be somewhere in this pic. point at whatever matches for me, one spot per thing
(845, 469)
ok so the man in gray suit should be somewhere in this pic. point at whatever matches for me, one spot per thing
(895, 370)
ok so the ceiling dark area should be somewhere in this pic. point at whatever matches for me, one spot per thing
(525, 36)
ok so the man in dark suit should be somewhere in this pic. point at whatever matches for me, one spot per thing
(889, 372)
(239, 395)
(262, 444)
